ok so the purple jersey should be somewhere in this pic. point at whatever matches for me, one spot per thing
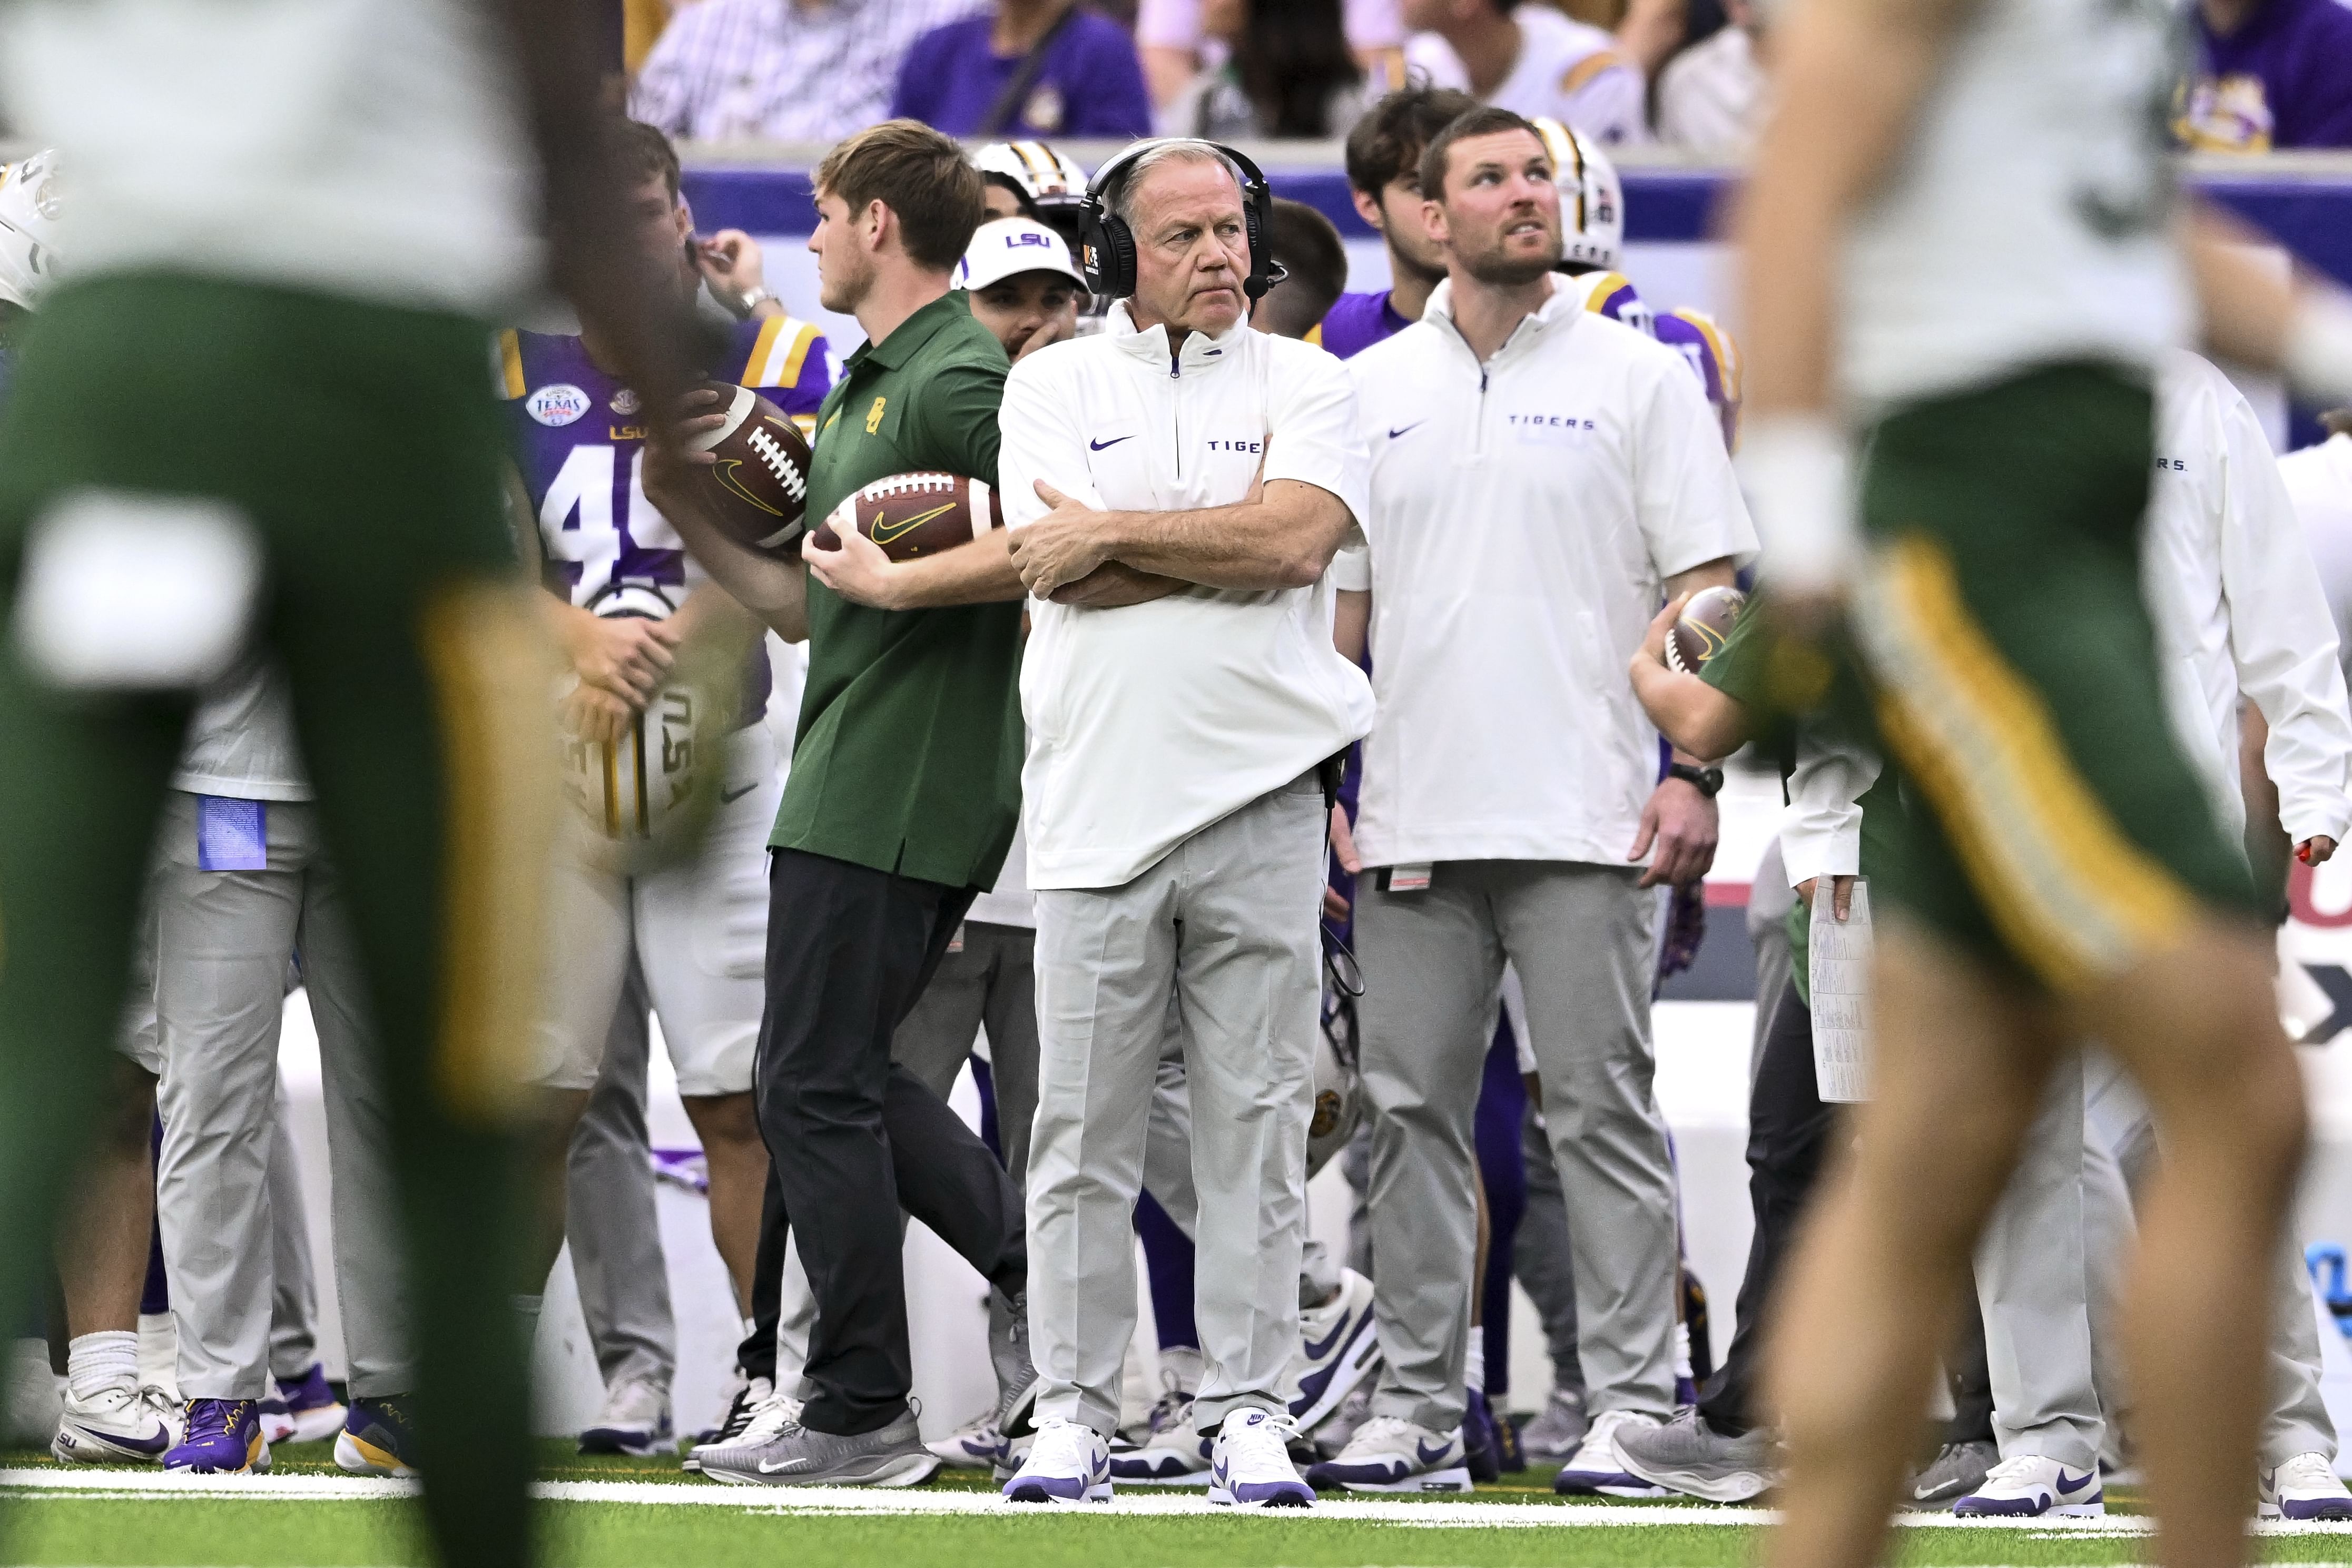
(1706, 347)
(1356, 322)
(2284, 79)
(580, 446)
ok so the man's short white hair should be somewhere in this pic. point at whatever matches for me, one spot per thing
(1177, 150)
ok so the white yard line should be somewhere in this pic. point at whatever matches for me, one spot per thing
(1139, 1503)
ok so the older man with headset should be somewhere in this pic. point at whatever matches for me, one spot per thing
(1175, 487)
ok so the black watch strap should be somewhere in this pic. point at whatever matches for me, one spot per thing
(1705, 780)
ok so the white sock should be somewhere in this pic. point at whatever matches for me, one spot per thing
(527, 1311)
(1474, 1366)
(97, 1362)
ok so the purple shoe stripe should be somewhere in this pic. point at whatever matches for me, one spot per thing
(2316, 1508)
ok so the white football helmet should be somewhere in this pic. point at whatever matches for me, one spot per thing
(646, 797)
(1591, 199)
(1051, 181)
(29, 204)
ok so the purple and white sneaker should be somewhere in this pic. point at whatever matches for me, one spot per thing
(1067, 1463)
(2305, 1487)
(1389, 1453)
(224, 1438)
(305, 1409)
(1249, 1463)
(2029, 1487)
(122, 1423)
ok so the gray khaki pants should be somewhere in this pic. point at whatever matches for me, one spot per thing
(1228, 921)
(610, 1218)
(2297, 1421)
(222, 943)
(1583, 940)
(2033, 1288)
(988, 981)
(294, 1298)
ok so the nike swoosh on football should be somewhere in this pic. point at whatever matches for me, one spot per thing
(1114, 441)
(884, 530)
(2069, 1487)
(1422, 1449)
(768, 1470)
(724, 797)
(1401, 429)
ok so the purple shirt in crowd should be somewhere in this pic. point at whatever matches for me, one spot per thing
(1356, 322)
(2282, 80)
(1091, 84)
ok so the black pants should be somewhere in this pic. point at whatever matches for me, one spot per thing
(852, 1138)
(1788, 1131)
(1970, 1377)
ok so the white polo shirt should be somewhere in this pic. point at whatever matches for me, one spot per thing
(1525, 515)
(1147, 722)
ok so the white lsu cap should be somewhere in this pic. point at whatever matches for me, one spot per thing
(1007, 247)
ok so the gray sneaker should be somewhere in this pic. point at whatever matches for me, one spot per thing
(1691, 1457)
(1008, 1353)
(893, 1456)
(1957, 1469)
(1558, 1428)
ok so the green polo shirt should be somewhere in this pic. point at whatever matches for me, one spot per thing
(909, 751)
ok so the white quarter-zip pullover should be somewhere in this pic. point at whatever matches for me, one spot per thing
(1149, 722)
(2238, 605)
(2319, 481)
(1525, 515)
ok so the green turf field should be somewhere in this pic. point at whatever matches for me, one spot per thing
(625, 1513)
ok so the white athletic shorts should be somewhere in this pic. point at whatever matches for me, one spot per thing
(698, 930)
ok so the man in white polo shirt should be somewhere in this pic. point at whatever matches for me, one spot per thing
(1542, 478)
(1175, 487)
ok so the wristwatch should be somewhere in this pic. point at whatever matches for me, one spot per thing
(749, 302)
(1705, 780)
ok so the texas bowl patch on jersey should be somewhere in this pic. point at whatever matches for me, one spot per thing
(757, 492)
(558, 404)
(916, 513)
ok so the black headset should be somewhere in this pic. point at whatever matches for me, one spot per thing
(1106, 245)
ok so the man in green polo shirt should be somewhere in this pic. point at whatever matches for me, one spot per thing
(905, 788)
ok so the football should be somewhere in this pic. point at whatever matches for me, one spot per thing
(1700, 632)
(757, 492)
(646, 797)
(916, 513)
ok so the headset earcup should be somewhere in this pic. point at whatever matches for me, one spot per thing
(1118, 256)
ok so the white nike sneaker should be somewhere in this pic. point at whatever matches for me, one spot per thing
(2305, 1487)
(1067, 1463)
(977, 1445)
(1338, 1347)
(2029, 1487)
(1389, 1453)
(1174, 1455)
(634, 1421)
(1597, 1469)
(769, 1419)
(123, 1423)
(1249, 1463)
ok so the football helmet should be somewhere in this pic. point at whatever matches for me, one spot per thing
(1591, 198)
(29, 204)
